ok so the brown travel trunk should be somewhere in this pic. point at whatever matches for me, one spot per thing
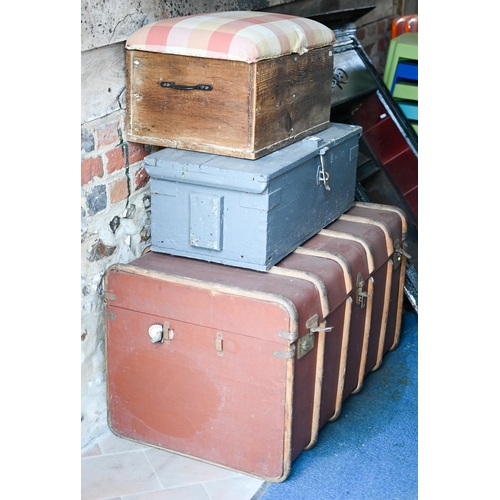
(246, 366)
(386, 317)
(253, 109)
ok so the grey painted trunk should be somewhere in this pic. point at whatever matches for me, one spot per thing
(251, 213)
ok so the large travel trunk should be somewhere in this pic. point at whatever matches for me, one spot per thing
(237, 83)
(241, 368)
(251, 213)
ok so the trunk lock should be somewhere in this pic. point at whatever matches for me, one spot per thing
(161, 333)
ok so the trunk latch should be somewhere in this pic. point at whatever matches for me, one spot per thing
(323, 175)
(306, 342)
(361, 295)
(398, 254)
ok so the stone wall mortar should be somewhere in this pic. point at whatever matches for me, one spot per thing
(111, 232)
(100, 249)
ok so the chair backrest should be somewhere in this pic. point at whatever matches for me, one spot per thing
(404, 24)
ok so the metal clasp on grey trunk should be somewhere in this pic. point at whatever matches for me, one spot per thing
(323, 175)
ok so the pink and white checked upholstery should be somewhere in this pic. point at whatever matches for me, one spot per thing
(236, 35)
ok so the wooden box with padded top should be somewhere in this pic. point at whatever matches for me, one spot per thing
(239, 84)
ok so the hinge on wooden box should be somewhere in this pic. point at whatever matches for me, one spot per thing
(306, 342)
(361, 295)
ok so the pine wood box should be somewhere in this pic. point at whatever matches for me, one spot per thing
(231, 83)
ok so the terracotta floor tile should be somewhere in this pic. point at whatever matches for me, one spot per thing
(175, 470)
(108, 476)
(191, 492)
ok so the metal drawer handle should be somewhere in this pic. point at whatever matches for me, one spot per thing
(172, 85)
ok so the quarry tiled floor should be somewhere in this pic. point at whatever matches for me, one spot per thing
(118, 469)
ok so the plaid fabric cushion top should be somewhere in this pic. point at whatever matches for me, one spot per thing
(236, 35)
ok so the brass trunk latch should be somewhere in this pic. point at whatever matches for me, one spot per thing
(361, 295)
(398, 254)
(306, 342)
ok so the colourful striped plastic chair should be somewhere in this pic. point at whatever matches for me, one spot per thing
(402, 48)
(401, 71)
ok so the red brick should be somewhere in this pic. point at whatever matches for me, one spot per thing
(91, 167)
(141, 178)
(136, 152)
(382, 27)
(369, 49)
(383, 44)
(361, 34)
(108, 134)
(118, 190)
(116, 159)
(371, 30)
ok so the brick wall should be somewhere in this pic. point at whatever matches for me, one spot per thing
(375, 38)
(111, 162)
(374, 29)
